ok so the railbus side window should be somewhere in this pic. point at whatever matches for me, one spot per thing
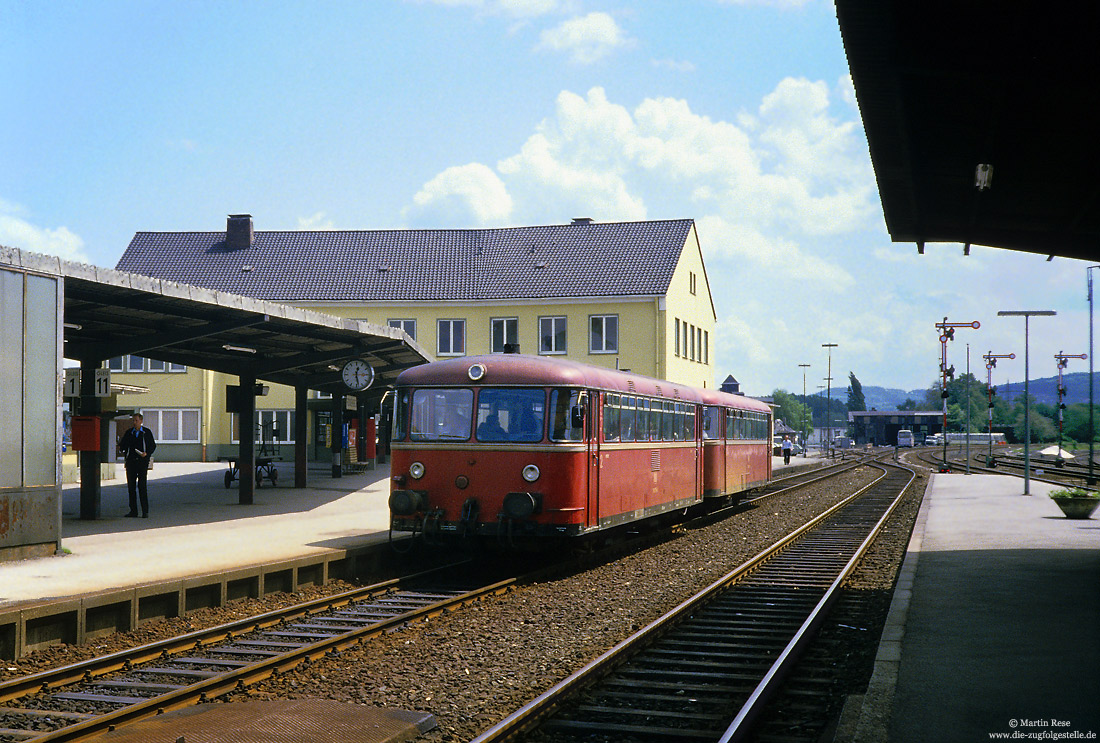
(668, 421)
(654, 420)
(626, 419)
(641, 426)
(611, 417)
(562, 402)
(689, 422)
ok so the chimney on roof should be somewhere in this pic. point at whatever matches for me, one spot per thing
(238, 231)
(582, 220)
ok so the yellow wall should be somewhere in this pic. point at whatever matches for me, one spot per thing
(693, 309)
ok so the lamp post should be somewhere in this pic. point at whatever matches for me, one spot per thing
(1027, 315)
(805, 443)
(829, 392)
(990, 363)
(1092, 419)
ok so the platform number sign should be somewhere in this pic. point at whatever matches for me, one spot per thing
(72, 383)
(102, 382)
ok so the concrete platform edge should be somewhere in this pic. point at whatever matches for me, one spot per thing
(74, 620)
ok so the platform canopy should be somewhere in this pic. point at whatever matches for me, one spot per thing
(947, 86)
(109, 313)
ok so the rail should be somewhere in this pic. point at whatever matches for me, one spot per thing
(731, 638)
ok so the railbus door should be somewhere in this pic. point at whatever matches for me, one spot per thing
(590, 402)
(698, 428)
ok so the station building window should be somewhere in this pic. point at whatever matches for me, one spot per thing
(451, 338)
(504, 330)
(552, 335)
(138, 364)
(172, 425)
(603, 334)
(691, 281)
(279, 423)
(677, 344)
(409, 326)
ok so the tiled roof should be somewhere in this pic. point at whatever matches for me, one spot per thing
(572, 260)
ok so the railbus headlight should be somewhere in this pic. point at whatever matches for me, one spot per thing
(416, 469)
(530, 473)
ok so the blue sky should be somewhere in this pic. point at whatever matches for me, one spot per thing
(130, 116)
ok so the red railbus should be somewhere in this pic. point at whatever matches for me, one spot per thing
(529, 447)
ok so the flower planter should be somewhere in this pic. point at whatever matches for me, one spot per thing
(1077, 508)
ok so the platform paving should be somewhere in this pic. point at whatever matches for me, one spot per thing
(994, 629)
(196, 526)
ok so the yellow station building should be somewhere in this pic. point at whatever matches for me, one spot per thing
(629, 295)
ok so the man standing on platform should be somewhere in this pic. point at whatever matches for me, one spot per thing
(786, 450)
(137, 445)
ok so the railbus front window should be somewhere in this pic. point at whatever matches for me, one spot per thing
(511, 414)
(562, 402)
(441, 415)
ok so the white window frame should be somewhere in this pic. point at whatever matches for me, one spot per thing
(509, 337)
(450, 324)
(406, 324)
(153, 419)
(282, 417)
(553, 350)
(603, 334)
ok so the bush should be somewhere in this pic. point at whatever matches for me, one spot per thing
(1074, 493)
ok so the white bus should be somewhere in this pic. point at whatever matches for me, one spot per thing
(905, 438)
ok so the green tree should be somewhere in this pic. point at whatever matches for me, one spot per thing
(958, 402)
(909, 404)
(790, 410)
(856, 400)
(1076, 424)
(1043, 427)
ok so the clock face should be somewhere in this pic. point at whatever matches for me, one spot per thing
(357, 374)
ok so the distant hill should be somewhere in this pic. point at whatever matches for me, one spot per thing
(1044, 390)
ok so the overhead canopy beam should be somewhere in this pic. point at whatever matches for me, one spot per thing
(145, 343)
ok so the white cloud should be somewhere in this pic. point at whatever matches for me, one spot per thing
(673, 64)
(779, 4)
(16, 232)
(467, 194)
(767, 255)
(511, 8)
(586, 39)
(316, 221)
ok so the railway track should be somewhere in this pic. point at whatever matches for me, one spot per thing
(1007, 463)
(81, 701)
(704, 670)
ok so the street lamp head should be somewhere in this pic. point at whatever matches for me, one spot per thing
(1025, 313)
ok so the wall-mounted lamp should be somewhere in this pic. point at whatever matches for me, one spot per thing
(983, 176)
